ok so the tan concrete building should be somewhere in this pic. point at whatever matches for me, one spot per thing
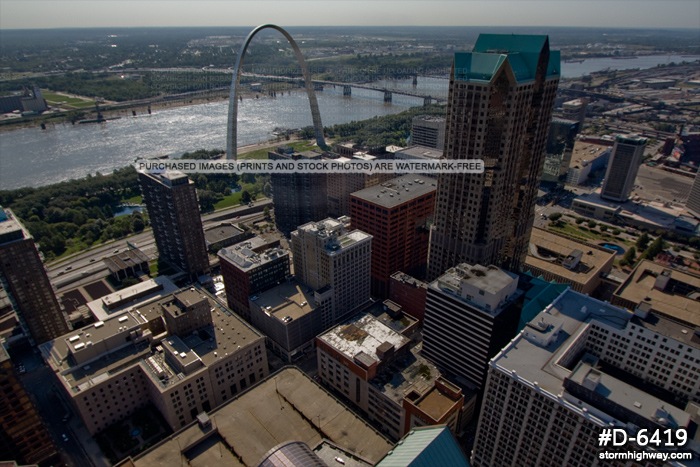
(335, 263)
(289, 316)
(184, 353)
(659, 289)
(566, 261)
(288, 405)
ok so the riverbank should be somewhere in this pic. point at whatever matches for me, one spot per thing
(113, 110)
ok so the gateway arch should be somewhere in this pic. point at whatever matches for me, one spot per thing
(232, 128)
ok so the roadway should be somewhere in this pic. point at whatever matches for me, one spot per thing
(87, 266)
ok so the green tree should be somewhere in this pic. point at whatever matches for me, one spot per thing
(207, 200)
(555, 216)
(643, 241)
(654, 249)
(245, 197)
(629, 256)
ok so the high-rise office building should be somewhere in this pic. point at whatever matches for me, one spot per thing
(23, 436)
(470, 313)
(173, 210)
(397, 214)
(428, 131)
(335, 263)
(580, 366)
(693, 203)
(499, 109)
(623, 167)
(24, 279)
(298, 198)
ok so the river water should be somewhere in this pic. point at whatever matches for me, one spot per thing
(34, 157)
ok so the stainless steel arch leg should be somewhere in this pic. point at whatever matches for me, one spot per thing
(232, 127)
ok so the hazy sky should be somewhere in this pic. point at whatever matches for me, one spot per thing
(101, 13)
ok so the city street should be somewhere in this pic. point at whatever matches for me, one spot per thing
(78, 448)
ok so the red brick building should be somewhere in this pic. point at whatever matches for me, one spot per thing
(396, 213)
(408, 292)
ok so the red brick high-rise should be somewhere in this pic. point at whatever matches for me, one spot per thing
(397, 214)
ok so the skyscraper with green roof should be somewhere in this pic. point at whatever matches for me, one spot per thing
(499, 109)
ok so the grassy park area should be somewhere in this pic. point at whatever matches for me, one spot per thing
(66, 102)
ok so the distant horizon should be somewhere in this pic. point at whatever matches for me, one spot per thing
(621, 14)
(650, 28)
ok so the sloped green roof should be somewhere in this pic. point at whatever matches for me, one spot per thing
(428, 446)
(491, 50)
(471, 66)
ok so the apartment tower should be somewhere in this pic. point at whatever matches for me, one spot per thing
(27, 285)
(623, 167)
(298, 198)
(173, 209)
(499, 109)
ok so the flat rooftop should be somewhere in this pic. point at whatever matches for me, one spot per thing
(625, 395)
(570, 313)
(547, 363)
(221, 232)
(408, 279)
(362, 334)
(245, 258)
(11, 229)
(419, 152)
(652, 213)
(491, 279)
(412, 373)
(584, 153)
(287, 405)
(435, 403)
(227, 334)
(682, 303)
(289, 299)
(398, 191)
(548, 250)
(131, 297)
